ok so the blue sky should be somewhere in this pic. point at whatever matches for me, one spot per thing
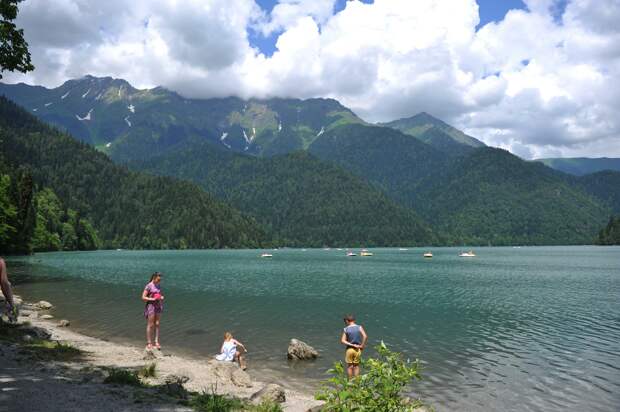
(490, 10)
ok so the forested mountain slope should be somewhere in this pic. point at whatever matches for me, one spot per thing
(303, 201)
(127, 209)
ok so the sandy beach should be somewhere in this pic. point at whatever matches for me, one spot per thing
(29, 383)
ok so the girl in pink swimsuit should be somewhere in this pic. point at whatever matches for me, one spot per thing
(154, 301)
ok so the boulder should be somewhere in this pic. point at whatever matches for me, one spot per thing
(36, 332)
(64, 323)
(44, 305)
(270, 393)
(241, 378)
(47, 317)
(298, 350)
(230, 372)
(27, 338)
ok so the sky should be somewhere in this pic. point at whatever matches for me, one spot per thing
(537, 77)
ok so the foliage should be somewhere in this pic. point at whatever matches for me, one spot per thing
(100, 200)
(213, 402)
(604, 186)
(610, 234)
(580, 166)
(47, 350)
(265, 406)
(122, 377)
(14, 54)
(301, 200)
(378, 389)
(148, 371)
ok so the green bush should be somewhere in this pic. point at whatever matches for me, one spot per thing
(266, 406)
(123, 377)
(379, 389)
(212, 402)
(148, 371)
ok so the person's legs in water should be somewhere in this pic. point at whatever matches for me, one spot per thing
(156, 324)
(150, 326)
(240, 359)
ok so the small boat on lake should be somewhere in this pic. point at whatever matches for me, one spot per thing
(428, 255)
(467, 254)
(351, 254)
(402, 249)
(365, 253)
(266, 255)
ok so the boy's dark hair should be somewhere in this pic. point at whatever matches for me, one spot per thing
(349, 318)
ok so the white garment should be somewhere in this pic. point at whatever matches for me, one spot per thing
(229, 348)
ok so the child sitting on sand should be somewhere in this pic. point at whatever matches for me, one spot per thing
(229, 351)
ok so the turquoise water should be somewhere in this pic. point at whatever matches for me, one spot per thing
(532, 328)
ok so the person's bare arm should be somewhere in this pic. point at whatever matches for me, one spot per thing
(5, 285)
(364, 338)
(240, 344)
(145, 297)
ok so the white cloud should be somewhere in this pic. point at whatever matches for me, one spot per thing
(539, 82)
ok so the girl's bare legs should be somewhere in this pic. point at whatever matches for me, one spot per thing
(156, 322)
(150, 325)
(241, 360)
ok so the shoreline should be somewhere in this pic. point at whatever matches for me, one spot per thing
(198, 375)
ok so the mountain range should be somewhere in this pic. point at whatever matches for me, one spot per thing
(313, 173)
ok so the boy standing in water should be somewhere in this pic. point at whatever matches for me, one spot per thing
(354, 338)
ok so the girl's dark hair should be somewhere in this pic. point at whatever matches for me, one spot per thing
(154, 275)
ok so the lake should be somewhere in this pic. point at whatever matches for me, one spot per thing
(531, 328)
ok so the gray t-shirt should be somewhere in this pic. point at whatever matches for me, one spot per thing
(354, 334)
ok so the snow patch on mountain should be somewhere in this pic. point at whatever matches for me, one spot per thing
(48, 104)
(280, 127)
(247, 139)
(132, 108)
(224, 136)
(87, 117)
(127, 121)
(119, 91)
(86, 94)
(108, 144)
(64, 96)
(35, 109)
(321, 132)
(99, 96)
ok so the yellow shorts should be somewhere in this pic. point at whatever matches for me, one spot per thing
(353, 356)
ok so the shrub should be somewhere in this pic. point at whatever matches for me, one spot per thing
(378, 389)
(212, 402)
(266, 406)
(122, 377)
(148, 371)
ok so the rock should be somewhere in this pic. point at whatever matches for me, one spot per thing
(317, 408)
(17, 300)
(44, 305)
(270, 393)
(150, 354)
(173, 386)
(27, 338)
(64, 323)
(241, 378)
(298, 350)
(230, 372)
(47, 317)
(39, 333)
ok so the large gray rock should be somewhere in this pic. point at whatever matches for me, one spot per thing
(64, 323)
(36, 332)
(230, 372)
(270, 393)
(44, 305)
(298, 350)
(47, 317)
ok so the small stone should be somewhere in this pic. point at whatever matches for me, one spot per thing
(27, 338)
(47, 317)
(17, 300)
(44, 305)
(317, 408)
(270, 393)
(64, 323)
(298, 350)
(149, 355)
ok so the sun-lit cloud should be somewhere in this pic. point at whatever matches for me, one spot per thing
(540, 82)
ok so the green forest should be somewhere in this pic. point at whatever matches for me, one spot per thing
(610, 234)
(60, 194)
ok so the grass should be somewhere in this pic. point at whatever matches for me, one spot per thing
(212, 402)
(52, 350)
(266, 406)
(123, 377)
(148, 371)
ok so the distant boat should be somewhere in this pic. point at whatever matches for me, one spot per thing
(467, 254)
(351, 254)
(428, 255)
(365, 253)
(403, 249)
(266, 255)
